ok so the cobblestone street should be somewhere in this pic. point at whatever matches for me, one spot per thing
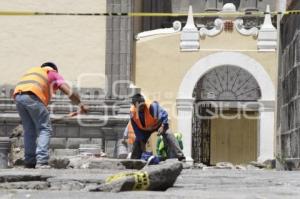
(192, 183)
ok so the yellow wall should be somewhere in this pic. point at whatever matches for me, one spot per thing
(160, 66)
(75, 43)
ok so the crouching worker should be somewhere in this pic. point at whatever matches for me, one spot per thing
(149, 117)
(32, 96)
(162, 150)
(124, 146)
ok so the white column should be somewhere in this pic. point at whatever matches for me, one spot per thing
(281, 5)
(266, 132)
(184, 122)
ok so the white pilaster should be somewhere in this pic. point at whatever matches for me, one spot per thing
(189, 40)
(184, 122)
(266, 131)
(267, 35)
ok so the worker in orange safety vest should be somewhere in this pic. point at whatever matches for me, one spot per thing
(146, 118)
(32, 96)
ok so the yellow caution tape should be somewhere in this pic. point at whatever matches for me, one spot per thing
(150, 14)
(141, 179)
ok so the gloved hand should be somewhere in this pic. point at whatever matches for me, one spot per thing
(161, 130)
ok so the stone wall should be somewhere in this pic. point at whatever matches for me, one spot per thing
(103, 125)
(288, 117)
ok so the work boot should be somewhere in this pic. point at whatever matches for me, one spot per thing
(29, 165)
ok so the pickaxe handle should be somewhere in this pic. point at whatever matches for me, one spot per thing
(70, 115)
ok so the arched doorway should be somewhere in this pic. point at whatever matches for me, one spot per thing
(185, 100)
(225, 120)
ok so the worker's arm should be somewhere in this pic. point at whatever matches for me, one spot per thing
(162, 116)
(73, 96)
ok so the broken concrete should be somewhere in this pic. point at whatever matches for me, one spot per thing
(59, 162)
(155, 178)
(31, 185)
(191, 183)
(91, 162)
(17, 131)
(258, 164)
(22, 177)
(66, 185)
(225, 165)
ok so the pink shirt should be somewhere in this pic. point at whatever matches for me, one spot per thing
(55, 80)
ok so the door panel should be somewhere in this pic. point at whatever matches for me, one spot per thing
(234, 140)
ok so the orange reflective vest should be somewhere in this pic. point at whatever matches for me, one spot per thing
(35, 81)
(150, 121)
(131, 135)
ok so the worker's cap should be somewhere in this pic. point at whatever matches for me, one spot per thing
(49, 64)
(137, 98)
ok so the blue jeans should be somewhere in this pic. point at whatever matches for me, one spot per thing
(36, 123)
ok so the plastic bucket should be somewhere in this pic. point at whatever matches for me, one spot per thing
(4, 150)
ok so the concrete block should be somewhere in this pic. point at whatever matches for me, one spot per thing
(111, 133)
(66, 131)
(97, 141)
(109, 148)
(92, 149)
(73, 143)
(90, 132)
(58, 143)
(65, 152)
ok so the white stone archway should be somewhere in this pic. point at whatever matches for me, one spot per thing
(185, 100)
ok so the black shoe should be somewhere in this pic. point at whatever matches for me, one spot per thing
(29, 166)
(181, 159)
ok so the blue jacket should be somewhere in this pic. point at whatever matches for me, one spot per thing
(156, 111)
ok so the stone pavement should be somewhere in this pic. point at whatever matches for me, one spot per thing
(192, 183)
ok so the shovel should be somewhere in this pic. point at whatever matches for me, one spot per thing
(70, 115)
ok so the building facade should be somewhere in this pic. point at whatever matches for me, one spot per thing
(90, 51)
(215, 74)
(288, 90)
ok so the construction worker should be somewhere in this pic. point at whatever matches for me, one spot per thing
(146, 118)
(32, 95)
(124, 146)
(129, 136)
(162, 150)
